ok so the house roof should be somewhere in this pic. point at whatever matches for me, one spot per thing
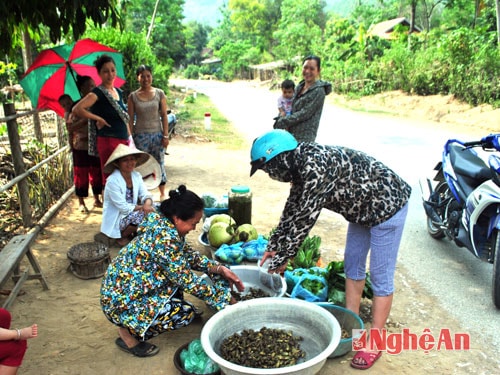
(384, 29)
(212, 60)
(275, 64)
(269, 66)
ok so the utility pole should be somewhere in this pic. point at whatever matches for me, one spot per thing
(498, 21)
(152, 21)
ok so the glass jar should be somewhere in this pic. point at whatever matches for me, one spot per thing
(240, 204)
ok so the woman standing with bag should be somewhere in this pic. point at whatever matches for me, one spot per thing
(106, 107)
(148, 120)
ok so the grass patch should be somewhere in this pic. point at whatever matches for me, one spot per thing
(191, 117)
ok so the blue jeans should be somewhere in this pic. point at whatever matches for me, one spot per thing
(383, 240)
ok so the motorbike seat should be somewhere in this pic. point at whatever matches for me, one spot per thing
(467, 164)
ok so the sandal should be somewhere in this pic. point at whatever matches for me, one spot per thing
(363, 360)
(143, 349)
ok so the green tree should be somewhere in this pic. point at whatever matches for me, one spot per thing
(135, 52)
(60, 17)
(255, 20)
(300, 27)
(236, 57)
(222, 34)
(196, 36)
(167, 38)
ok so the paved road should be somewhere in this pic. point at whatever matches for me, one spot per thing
(461, 282)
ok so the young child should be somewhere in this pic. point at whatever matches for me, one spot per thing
(285, 100)
(86, 168)
(13, 343)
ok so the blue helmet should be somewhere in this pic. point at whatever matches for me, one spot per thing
(269, 145)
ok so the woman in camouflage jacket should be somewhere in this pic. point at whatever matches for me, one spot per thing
(307, 103)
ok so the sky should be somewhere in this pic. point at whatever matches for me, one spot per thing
(207, 11)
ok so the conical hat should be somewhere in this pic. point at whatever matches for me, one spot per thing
(122, 150)
(151, 173)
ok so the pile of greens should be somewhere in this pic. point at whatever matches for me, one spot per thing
(308, 254)
(336, 283)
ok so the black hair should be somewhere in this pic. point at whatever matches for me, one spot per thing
(182, 203)
(64, 96)
(143, 68)
(287, 84)
(101, 60)
(81, 80)
(315, 58)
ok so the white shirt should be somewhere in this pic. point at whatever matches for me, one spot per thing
(115, 206)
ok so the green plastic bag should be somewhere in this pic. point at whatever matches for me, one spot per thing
(195, 360)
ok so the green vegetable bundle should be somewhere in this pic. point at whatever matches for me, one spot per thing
(308, 254)
(336, 283)
(312, 288)
(292, 277)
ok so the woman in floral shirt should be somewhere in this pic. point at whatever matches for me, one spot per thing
(142, 291)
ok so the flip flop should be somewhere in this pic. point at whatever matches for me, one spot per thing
(369, 358)
(143, 349)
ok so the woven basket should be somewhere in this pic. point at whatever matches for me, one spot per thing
(89, 260)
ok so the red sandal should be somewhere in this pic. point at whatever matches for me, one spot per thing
(369, 358)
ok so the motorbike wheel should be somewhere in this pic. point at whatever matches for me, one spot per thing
(495, 291)
(434, 231)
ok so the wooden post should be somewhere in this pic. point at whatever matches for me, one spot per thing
(37, 127)
(19, 167)
(61, 127)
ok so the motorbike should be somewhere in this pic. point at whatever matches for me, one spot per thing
(463, 202)
(172, 121)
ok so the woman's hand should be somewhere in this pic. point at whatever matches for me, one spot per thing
(101, 123)
(165, 142)
(147, 208)
(269, 255)
(233, 279)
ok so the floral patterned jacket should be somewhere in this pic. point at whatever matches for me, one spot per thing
(149, 270)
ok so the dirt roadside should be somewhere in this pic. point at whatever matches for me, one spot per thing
(76, 338)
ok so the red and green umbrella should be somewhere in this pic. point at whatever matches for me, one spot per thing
(54, 71)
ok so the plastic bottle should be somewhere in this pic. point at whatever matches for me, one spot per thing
(240, 204)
